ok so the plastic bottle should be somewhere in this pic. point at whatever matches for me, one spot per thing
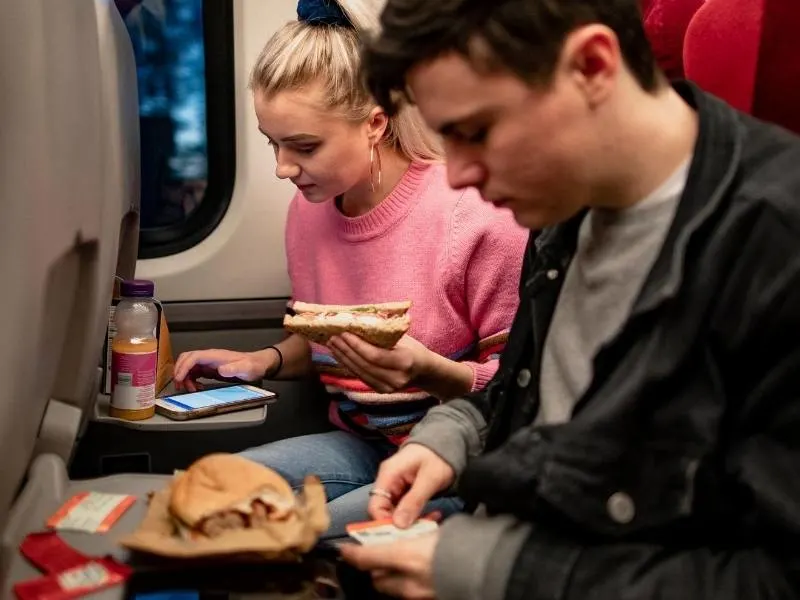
(134, 352)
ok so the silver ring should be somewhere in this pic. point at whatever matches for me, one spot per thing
(382, 493)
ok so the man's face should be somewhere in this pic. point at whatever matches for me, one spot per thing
(523, 147)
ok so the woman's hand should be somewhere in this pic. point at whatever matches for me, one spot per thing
(225, 365)
(409, 363)
(385, 371)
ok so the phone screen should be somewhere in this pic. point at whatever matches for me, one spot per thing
(215, 397)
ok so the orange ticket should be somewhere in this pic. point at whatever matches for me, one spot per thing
(92, 512)
(384, 531)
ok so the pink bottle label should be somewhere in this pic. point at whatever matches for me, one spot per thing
(133, 379)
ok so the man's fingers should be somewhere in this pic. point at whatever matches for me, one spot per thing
(369, 558)
(399, 585)
(436, 515)
(393, 584)
(392, 477)
(380, 508)
(411, 505)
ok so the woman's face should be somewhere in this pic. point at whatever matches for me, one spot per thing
(321, 152)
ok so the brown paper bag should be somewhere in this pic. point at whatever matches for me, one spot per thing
(285, 540)
(166, 362)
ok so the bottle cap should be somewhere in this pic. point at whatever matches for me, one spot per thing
(137, 288)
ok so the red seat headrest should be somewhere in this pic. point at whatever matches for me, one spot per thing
(746, 52)
(721, 49)
(665, 22)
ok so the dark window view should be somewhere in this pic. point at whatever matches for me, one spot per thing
(168, 41)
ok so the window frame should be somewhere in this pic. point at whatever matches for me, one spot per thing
(218, 50)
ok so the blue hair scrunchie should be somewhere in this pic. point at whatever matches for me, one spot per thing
(321, 12)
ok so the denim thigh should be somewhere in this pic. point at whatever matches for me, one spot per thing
(342, 461)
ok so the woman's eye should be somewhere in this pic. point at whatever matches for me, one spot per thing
(306, 149)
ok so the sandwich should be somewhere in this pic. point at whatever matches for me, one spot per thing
(379, 324)
(224, 492)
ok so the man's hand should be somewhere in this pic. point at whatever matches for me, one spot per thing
(225, 365)
(402, 569)
(411, 477)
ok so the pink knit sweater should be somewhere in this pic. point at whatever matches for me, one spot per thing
(457, 258)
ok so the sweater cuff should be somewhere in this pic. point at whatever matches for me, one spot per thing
(482, 373)
(475, 555)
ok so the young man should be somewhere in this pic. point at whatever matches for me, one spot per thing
(641, 439)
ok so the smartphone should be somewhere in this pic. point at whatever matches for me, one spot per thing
(216, 401)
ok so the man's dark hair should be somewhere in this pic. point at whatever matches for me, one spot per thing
(523, 36)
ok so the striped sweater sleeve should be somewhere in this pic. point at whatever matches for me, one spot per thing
(485, 261)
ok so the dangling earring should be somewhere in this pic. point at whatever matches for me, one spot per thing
(373, 152)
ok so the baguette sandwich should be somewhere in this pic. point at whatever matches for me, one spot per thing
(379, 324)
(224, 492)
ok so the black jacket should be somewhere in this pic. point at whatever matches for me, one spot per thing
(678, 475)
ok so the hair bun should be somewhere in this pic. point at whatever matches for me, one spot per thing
(321, 12)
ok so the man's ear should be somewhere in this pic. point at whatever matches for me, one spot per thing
(377, 123)
(592, 59)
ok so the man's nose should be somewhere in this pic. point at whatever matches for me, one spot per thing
(463, 172)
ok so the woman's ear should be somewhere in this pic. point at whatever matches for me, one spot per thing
(377, 123)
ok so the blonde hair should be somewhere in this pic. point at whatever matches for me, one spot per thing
(301, 53)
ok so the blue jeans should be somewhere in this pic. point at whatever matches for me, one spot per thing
(347, 466)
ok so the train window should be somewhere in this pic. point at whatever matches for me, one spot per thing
(185, 68)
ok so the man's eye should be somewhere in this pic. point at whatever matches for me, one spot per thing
(471, 137)
(478, 137)
(306, 149)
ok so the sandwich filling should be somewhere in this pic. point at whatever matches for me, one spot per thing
(365, 317)
(251, 513)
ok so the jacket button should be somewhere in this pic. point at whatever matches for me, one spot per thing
(524, 378)
(621, 508)
(552, 274)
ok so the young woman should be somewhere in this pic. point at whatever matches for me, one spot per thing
(373, 220)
